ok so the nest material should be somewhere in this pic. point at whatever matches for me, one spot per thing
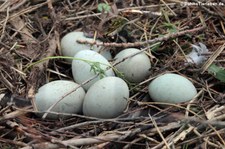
(31, 31)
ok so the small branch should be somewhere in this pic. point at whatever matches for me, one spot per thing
(75, 142)
(212, 58)
(151, 41)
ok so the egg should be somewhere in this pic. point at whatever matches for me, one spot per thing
(107, 98)
(81, 68)
(135, 69)
(171, 88)
(52, 92)
(70, 47)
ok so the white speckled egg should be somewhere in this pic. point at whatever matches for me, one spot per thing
(135, 69)
(107, 98)
(82, 70)
(171, 88)
(51, 92)
(70, 47)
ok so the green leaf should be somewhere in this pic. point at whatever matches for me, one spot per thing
(217, 72)
(165, 14)
(156, 47)
(103, 7)
(171, 27)
(96, 68)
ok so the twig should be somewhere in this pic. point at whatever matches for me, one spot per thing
(159, 132)
(181, 136)
(32, 133)
(13, 114)
(204, 138)
(151, 41)
(75, 142)
(8, 4)
(4, 25)
(10, 141)
(168, 8)
(124, 10)
(212, 58)
(143, 12)
(24, 11)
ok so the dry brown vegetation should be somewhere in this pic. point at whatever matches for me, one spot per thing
(31, 31)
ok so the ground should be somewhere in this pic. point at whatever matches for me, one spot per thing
(166, 30)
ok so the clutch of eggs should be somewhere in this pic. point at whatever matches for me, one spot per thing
(106, 95)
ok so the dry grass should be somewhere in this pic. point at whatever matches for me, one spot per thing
(31, 30)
